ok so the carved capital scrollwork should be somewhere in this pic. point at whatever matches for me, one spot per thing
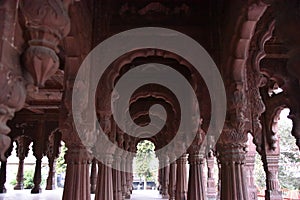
(47, 22)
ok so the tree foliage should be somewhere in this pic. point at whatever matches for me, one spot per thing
(61, 165)
(145, 160)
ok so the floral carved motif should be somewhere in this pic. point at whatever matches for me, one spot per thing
(47, 22)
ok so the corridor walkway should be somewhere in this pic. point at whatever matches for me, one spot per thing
(57, 195)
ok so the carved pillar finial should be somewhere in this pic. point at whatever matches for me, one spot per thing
(47, 22)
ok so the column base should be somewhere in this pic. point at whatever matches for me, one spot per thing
(19, 187)
(36, 190)
(52, 187)
(165, 196)
(273, 195)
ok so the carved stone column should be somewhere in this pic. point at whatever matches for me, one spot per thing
(94, 176)
(129, 176)
(12, 84)
(23, 143)
(181, 178)
(211, 185)
(165, 173)
(77, 183)
(117, 177)
(37, 178)
(172, 178)
(104, 189)
(233, 175)
(250, 163)
(196, 187)
(271, 167)
(47, 22)
(52, 153)
(123, 175)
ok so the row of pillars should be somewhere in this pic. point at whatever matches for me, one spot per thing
(23, 142)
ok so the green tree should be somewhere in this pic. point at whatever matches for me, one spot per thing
(61, 165)
(289, 174)
(145, 161)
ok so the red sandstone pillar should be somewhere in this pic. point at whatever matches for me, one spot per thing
(165, 170)
(123, 175)
(211, 185)
(117, 182)
(51, 175)
(23, 143)
(77, 183)
(250, 163)
(196, 187)
(181, 178)
(104, 189)
(233, 176)
(172, 178)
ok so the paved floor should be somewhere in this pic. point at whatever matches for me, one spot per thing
(57, 195)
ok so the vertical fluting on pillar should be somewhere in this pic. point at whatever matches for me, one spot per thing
(172, 178)
(181, 178)
(196, 187)
(104, 190)
(233, 176)
(116, 173)
(77, 182)
(129, 176)
(250, 163)
(165, 171)
(123, 175)
(211, 185)
(93, 176)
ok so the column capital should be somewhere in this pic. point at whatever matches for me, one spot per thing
(78, 155)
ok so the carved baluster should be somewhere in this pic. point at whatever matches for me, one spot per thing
(23, 143)
(94, 176)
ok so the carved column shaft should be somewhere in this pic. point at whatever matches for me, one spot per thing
(271, 168)
(117, 178)
(233, 176)
(172, 181)
(104, 190)
(165, 173)
(123, 176)
(77, 182)
(181, 178)
(211, 185)
(196, 187)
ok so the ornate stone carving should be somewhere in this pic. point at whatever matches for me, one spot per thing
(47, 23)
